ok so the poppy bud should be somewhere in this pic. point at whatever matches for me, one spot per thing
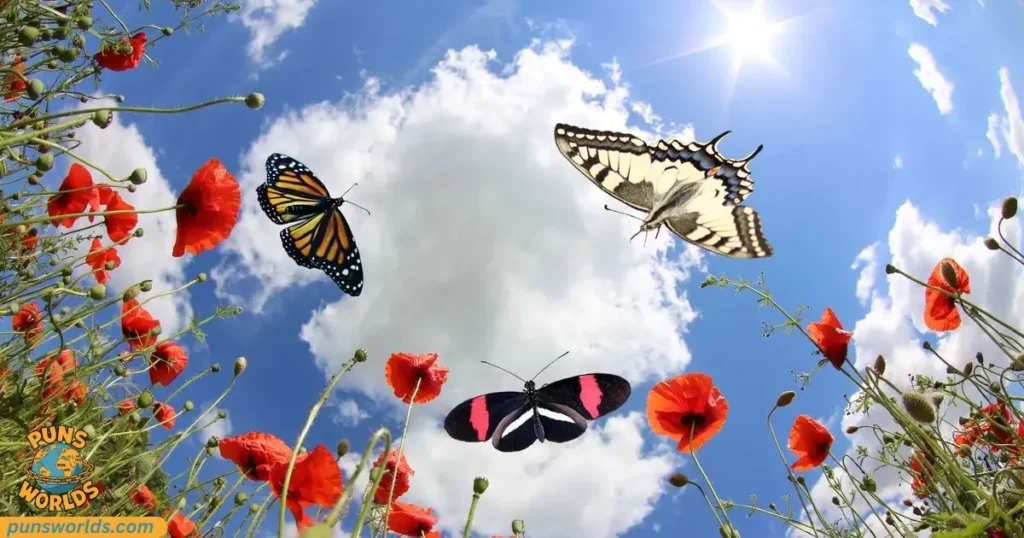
(102, 118)
(968, 368)
(868, 484)
(360, 355)
(131, 188)
(120, 370)
(728, 531)
(212, 442)
(89, 430)
(995, 387)
(61, 32)
(138, 232)
(144, 400)
(44, 162)
(850, 430)
(785, 398)
(880, 365)
(991, 244)
(201, 277)
(138, 176)
(155, 331)
(35, 88)
(255, 101)
(927, 345)
(980, 358)
(97, 292)
(343, 448)
(253, 508)
(83, 23)
(890, 268)
(110, 266)
(215, 368)
(27, 35)
(182, 503)
(479, 485)
(678, 480)
(78, 41)
(146, 285)
(949, 275)
(240, 364)
(518, 527)
(918, 407)
(134, 417)
(222, 414)
(1009, 208)
(188, 405)
(167, 30)
(301, 450)
(835, 500)
(1018, 363)
(772, 507)
(130, 293)
(68, 55)
(241, 498)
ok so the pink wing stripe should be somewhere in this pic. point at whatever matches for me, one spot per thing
(479, 418)
(590, 394)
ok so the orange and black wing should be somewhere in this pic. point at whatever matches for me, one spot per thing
(325, 242)
(292, 192)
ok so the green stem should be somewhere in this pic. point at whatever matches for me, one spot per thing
(472, 514)
(401, 445)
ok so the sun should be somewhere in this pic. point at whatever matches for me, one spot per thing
(748, 33)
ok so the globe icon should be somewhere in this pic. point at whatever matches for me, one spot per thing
(58, 468)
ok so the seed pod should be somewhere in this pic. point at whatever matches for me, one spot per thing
(255, 101)
(919, 407)
(1009, 207)
(991, 244)
(785, 398)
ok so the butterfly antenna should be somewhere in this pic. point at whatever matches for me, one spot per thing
(656, 232)
(348, 189)
(504, 370)
(606, 208)
(632, 237)
(549, 364)
(352, 203)
(357, 205)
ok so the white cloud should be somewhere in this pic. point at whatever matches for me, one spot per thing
(347, 412)
(923, 9)
(267, 20)
(1013, 123)
(119, 149)
(220, 429)
(931, 78)
(897, 162)
(867, 262)
(894, 326)
(486, 244)
(992, 134)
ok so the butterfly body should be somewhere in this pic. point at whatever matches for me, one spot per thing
(690, 188)
(318, 235)
(557, 412)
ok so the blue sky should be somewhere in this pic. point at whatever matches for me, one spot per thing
(850, 135)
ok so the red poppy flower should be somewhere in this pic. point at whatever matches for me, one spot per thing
(29, 241)
(993, 426)
(165, 415)
(137, 325)
(688, 408)
(397, 470)
(316, 481)
(410, 520)
(120, 225)
(29, 322)
(940, 313)
(125, 407)
(993, 532)
(831, 339)
(207, 209)
(98, 258)
(921, 467)
(256, 454)
(166, 363)
(14, 84)
(53, 368)
(180, 526)
(403, 370)
(75, 195)
(124, 56)
(144, 498)
(810, 441)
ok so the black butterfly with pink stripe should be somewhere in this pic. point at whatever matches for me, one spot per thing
(557, 412)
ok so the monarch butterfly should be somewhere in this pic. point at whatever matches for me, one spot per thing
(318, 237)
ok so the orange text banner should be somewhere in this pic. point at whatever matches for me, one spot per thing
(92, 527)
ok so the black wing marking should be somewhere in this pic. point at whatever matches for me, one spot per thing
(730, 231)
(476, 419)
(590, 395)
(545, 422)
(325, 242)
(639, 174)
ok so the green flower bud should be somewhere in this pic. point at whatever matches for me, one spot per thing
(728, 531)
(61, 32)
(201, 277)
(120, 370)
(253, 508)
(138, 176)
(28, 35)
(52, 63)
(991, 243)
(479, 485)
(78, 41)
(343, 448)
(222, 414)
(45, 34)
(850, 430)
(102, 118)
(138, 232)
(949, 275)
(188, 405)
(97, 292)
(255, 101)
(145, 400)
(360, 355)
(240, 364)
(868, 484)
(919, 407)
(210, 451)
(68, 55)
(241, 498)
(678, 480)
(35, 88)
(215, 368)
(44, 162)
(130, 293)
(167, 30)
(518, 527)
(880, 365)
(212, 442)
(134, 416)
(1009, 208)
(890, 268)
(146, 285)
(785, 398)
(83, 23)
